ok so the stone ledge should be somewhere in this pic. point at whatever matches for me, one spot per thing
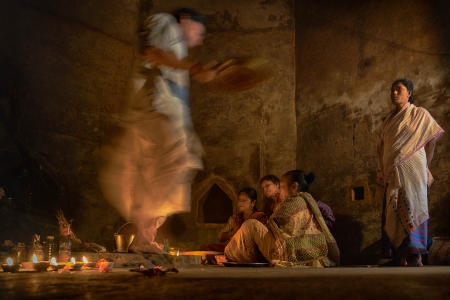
(135, 259)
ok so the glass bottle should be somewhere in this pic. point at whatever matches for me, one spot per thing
(38, 249)
(65, 245)
(50, 250)
(21, 252)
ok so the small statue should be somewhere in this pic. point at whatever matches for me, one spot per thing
(69, 240)
(38, 248)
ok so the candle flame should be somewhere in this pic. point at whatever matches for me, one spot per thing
(85, 260)
(35, 259)
(53, 262)
(9, 261)
(72, 260)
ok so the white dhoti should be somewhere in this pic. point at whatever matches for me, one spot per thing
(148, 167)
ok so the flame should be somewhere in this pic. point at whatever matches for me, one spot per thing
(85, 260)
(103, 266)
(72, 260)
(35, 259)
(9, 261)
(53, 262)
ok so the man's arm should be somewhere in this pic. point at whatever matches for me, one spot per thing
(166, 58)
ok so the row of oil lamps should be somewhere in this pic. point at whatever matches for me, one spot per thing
(44, 266)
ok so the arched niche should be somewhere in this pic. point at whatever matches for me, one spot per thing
(214, 201)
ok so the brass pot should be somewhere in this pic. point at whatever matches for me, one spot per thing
(123, 241)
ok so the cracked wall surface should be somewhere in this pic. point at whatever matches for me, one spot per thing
(66, 67)
(65, 71)
(248, 134)
(347, 56)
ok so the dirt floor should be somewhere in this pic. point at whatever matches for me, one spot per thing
(209, 282)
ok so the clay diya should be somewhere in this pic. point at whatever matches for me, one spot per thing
(40, 266)
(10, 266)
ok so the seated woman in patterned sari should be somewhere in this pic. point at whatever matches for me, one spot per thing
(246, 207)
(405, 149)
(296, 233)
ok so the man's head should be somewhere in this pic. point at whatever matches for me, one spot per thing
(193, 26)
(270, 185)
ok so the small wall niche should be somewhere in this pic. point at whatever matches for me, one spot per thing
(213, 202)
(358, 193)
(217, 206)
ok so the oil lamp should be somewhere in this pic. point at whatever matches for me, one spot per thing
(87, 265)
(10, 266)
(75, 266)
(40, 266)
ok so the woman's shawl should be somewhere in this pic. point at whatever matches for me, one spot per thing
(235, 222)
(300, 231)
(402, 166)
(402, 134)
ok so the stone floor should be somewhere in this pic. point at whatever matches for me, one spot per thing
(212, 282)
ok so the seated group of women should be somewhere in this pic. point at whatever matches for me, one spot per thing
(291, 232)
(294, 231)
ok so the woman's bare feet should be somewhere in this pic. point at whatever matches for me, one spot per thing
(414, 260)
(402, 261)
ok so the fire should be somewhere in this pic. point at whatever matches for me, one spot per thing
(53, 262)
(85, 260)
(35, 259)
(103, 266)
(73, 261)
(9, 261)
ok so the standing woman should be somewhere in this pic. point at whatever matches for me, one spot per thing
(405, 149)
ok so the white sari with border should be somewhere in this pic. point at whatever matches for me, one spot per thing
(402, 169)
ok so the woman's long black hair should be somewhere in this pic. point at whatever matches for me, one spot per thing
(251, 193)
(409, 86)
(304, 180)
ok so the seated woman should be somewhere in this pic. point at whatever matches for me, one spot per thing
(246, 210)
(296, 233)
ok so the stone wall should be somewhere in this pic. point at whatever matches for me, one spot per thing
(347, 55)
(67, 68)
(249, 134)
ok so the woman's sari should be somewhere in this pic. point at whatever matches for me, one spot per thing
(296, 234)
(231, 227)
(402, 176)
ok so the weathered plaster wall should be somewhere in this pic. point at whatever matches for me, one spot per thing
(67, 65)
(245, 135)
(248, 134)
(347, 55)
